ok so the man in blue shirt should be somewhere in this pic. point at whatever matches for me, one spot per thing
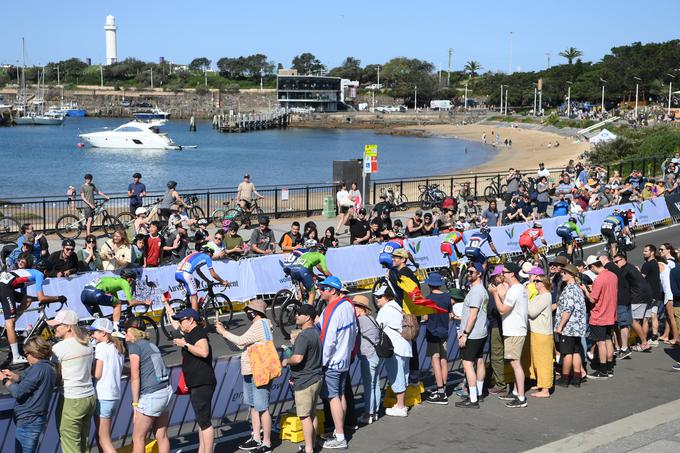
(561, 207)
(136, 192)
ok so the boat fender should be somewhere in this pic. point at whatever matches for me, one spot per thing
(80, 145)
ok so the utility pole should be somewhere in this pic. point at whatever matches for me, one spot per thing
(261, 80)
(670, 93)
(535, 96)
(602, 102)
(637, 90)
(448, 73)
(58, 79)
(501, 108)
(569, 99)
(510, 63)
(415, 99)
(152, 78)
(466, 91)
(101, 76)
(548, 55)
(506, 99)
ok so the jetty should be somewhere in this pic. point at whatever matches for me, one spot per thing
(245, 122)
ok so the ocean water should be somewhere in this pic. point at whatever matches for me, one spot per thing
(44, 160)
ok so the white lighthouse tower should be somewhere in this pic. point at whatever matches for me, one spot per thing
(110, 31)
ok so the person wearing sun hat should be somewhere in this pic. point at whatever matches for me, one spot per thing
(570, 325)
(541, 340)
(368, 358)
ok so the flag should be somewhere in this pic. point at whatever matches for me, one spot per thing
(414, 301)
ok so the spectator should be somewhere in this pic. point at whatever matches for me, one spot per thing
(376, 235)
(436, 334)
(512, 304)
(670, 332)
(651, 270)
(108, 368)
(446, 221)
(605, 198)
(257, 398)
(384, 222)
(218, 245)
(512, 213)
(541, 342)
(116, 252)
(640, 297)
(32, 393)
(624, 315)
(543, 196)
(152, 395)
(428, 225)
(292, 240)
(234, 242)
(368, 358)
(675, 320)
(63, 263)
(471, 211)
(136, 192)
(170, 198)
(154, 246)
(202, 235)
(262, 241)
(74, 356)
(390, 316)
(26, 248)
(137, 253)
(141, 222)
(526, 208)
(355, 196)
(542, 172)
(178, 219)
(40, 244)
(414, 225)
(306, 373)
(359, 229)
(244, 195)
(89, 258)
(565, 187)
(512, 180)
(197, 366)
(345, 206)
(496, 351)
(490, 214)
(87, 192)
(338, 336)
(561, 207)
(570, 325)
(381, 206)
(180, 245)
(310, 232)
(329, 239)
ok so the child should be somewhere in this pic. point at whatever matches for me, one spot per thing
(202, 236)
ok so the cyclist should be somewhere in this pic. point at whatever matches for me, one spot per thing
(527, 240)
(13, 292)
(103, 291)
(449, 245)
(569, 232)
(473, 248)
(613, 227)
(301, 269)
(395, 243)
(194, 263)
(289, 258)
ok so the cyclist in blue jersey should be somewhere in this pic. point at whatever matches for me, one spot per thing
(613, 227)
(473, 248)
(193, 264)
(13, 292)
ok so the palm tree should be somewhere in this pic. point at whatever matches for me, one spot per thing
(471, 67)
(570, 54)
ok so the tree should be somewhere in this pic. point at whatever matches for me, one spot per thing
(307, 63)
(472, 67)
(350, 69)
(402, 75)
(571, 54)
(199, 64)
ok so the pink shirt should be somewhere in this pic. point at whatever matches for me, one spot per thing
(604, 293)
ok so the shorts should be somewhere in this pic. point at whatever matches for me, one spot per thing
(9, 298)
(641, 311)
(565, 233)
(201, 402)
(106, 408)
(475, 254)
(397, 372)
(333, 384)
(513, 347)
(306, 399)
(437, 348)
(344, 209)
(624, 316)
(88, 212)
(528, 243)
(474, 349)
(255, 397)
(189, 282)
(157, 403)
(609, 235)
(303, 275)
(600, 333)
(569, 345)
(92, 297)
(657, 306)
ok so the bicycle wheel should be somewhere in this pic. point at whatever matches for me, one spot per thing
(280, 298)
(46, 333)
(425, 200)
(217, 216)
(110, 224)
(69, 226)
(578, 253)
(235, 215)
(287, 317)
(219, 307)
(402, 202)
(125, 219)
(197, 212)
(151, 329)
(462, 275)
(448, 277)
(166, 327)
(256, 212)
(9, 230)
(543, 260)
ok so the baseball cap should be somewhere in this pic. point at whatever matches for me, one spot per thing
(479, 267)
(402, 253)
(187, 313)
(306, 310)
(512, 267)
(419, 212)
(380, 291)
(592, 259)
(68, 317)
(103, 324)
(362, 211)
(332, 282)
(498, 270)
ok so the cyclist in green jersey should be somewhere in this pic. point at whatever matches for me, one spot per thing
(302, 268)
(569, 231)
(103, 291)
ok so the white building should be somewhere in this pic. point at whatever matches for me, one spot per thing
(110, 32)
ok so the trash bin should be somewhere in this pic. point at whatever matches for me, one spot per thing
(328, 208)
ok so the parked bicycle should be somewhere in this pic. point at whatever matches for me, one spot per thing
(396, 199)
(430, 195)
(495, 189)
(194, 211)
(70, 226)
(127, 218)
(9, 229)
(235, 214)
(212, 306)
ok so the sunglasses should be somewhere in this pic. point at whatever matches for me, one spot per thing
(68, 249)
(618, 261)
(91, 241)
(508, 272)
(472, 271)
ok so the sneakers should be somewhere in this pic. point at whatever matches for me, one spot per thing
(676, 367)
(507, 396)
(335, 444)
(561, 382)
(365, 419)
(654, 343)
(397, 412)
(467, 404)
(590, 355)
(249, 445)
(610, 373)
(598, 375)
(517, 403)
(438, 398)
(19, 360)
(263, 448)
(624, 354)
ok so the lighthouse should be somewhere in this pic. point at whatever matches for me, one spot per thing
(110, 31)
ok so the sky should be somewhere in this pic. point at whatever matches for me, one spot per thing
(499, 34)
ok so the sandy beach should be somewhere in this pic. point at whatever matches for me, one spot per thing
(529, 147)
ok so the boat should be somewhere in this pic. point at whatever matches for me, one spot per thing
(49, 118)
(132, 135)
(155, 114)
(69, 109)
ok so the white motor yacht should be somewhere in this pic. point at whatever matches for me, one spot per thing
(132, 135)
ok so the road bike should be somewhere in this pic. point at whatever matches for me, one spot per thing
(396, 199)
(541, 261)
(212, 306)
(235, 214)
(38, 328)
(495, 189)
(430, 195)
(70, 226)
(194, 211)
(9, 229)
(288, 301)
(129, 312)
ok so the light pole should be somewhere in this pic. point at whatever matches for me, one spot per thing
(670, 93)
(548, 55)
(151, 78)
(507, 88)
(602, 104)
(466, 91)
(101, 76)
(510, 62)
(569, 98)
(637, 90)
(415, 98)
(448, 73)
(535, 96)
(501, 107)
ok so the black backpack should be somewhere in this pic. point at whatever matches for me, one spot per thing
(383, 347)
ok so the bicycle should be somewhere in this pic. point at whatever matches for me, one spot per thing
(577, 250)
(39, 328)
(126, 219)
(380, 281)
(289, 301)
(430, 195)
(495, 189)
(396, 199)
(70, 226)
(130, 312)
(541, 262)
(236, 214)
(493, 260)
(9, 229)
(211, 306)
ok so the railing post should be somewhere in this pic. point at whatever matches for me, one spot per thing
(401, 186)
(307, 199)
(276, 202)
(498, 179)
(44, 215)
(476, 193)
(207, 200)
(451, 187)
(373, 192)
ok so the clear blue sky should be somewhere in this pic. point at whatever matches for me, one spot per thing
(374, 31)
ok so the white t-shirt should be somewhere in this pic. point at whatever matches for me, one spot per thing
(75, 361)
(390, 317)
(108, 386)
(542, 173)
(515, 322)
(343, 198)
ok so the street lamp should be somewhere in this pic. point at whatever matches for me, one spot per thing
(507, 89)
(501, 105)
(569, 99)
(535, 95)
(670, 92)
(602, 104)
(637, 90)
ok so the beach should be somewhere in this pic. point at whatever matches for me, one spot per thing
(529, 147)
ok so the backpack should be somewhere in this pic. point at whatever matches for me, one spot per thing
(383, 347)
(410, 327)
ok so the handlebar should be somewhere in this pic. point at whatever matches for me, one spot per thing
(42, 305)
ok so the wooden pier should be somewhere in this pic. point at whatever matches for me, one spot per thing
(245, 122)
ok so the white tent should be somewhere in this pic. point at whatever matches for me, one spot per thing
(603, 137)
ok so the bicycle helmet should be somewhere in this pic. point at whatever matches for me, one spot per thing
(128, 273)
(459, 226)
(322, 248)
(141, 210)
(171, 184)
(263, 220)
(537, 224)
(485, 229)
(310, 244)
(68, 243)
(399, 235)
(572, 219)
(207, 249)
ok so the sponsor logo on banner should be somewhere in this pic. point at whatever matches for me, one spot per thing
(414, 247)
(510, 232)
(585, 226)
(512, 243)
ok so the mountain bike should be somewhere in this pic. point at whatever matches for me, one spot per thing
(212, 306)
(288, 301)
(495, 189)
(236, 214)
(129, 312)
(70, 226)
(430, 195)
(194, 211)
(9, 229)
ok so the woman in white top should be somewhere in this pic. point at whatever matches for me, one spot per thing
(345, 206)
(670, 331)
(107, 370)
(355, 196)
(74, 376)
(390, 317)
(541, 336)
(116, 252)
